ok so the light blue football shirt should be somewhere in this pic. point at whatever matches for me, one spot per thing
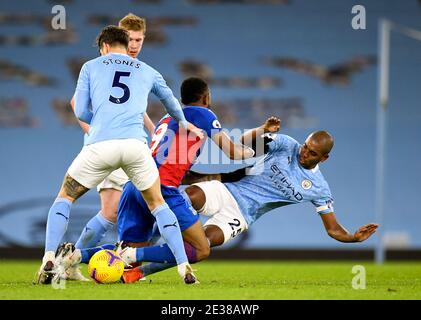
(278, 180)
(112, 94)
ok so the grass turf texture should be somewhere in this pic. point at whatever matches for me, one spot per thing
(225, 280)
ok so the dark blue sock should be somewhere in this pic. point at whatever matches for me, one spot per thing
(162, 253)
(154, 267)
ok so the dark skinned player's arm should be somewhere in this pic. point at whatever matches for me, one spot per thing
(231, 150)
(234, 151)
(256, 138)
(338, 232)
(195, 177)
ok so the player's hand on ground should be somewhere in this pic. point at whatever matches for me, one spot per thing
(195, 130)
(272, 124)
(365, 231)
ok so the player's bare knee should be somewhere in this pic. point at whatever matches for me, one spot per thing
(197, 196)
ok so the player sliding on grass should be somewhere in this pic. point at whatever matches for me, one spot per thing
(174, 154)
(287, 174)
(116, 86)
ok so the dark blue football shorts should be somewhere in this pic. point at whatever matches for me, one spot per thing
(135, 221)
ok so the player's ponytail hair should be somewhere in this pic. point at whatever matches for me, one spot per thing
(114, 36)
(192, 90)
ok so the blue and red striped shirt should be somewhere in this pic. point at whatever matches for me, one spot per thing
(175, 149)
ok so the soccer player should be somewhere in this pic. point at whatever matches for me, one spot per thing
(110, 189)
(287, 174)
(174, 154)
(116, 86)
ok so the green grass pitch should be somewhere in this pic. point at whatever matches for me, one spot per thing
(225, 280)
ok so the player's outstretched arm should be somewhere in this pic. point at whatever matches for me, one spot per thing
(232, 150)
(254, 138)
(85, 127)
(338, 232)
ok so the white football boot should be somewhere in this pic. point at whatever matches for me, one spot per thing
(127, 254)
(74, 273)
(46, 271)
(186, 272)
(67, 262)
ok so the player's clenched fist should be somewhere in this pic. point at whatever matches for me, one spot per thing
(272, 124)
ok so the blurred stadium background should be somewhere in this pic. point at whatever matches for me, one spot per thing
(299, 60)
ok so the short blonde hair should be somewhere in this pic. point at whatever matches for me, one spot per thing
(133, 22)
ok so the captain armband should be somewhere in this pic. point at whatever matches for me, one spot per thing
(327, 208)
